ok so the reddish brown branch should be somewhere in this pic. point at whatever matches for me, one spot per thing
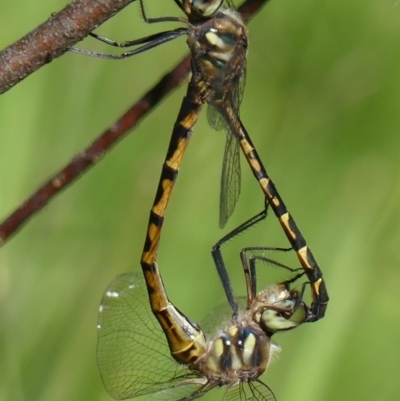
(93, 153)
(81, 162)
(53, 38)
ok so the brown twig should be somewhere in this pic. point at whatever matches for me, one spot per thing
(93, 153)
(52, 38)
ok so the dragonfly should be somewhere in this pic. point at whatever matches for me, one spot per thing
(172, 358)
(218, 40)
(218, 43)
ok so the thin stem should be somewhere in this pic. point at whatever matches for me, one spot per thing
(52, 38)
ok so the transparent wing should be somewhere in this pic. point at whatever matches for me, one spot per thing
(187, 392)
(220, 316)
(230, 179)
(215, 119)
(251, 391)
(132, 352)
(236, 95)
(227, 94)
(176, 393)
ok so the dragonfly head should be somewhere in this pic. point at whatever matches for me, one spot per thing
(278, 308)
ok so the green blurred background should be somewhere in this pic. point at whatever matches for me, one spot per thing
(322, 103)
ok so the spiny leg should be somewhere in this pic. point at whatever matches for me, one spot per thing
(147, 42)
(220, 264)
(249, 265)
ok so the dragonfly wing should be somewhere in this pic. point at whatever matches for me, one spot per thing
(237, 94)
(230, 178)
(231, 172)
(185, 392)
(215, 119)
(223, 102)
(132, 352)
(260, 391)
(252, 391)
(220, 316)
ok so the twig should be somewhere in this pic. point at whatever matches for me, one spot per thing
(51, 39)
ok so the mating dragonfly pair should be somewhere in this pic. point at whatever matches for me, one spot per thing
(134, 351)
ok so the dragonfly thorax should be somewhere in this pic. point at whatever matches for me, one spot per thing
(219, 48)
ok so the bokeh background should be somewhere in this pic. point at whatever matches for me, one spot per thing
(322, 103)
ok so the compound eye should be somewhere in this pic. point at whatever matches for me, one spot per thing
(299, 315)
(294, 316)
(274, 321)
